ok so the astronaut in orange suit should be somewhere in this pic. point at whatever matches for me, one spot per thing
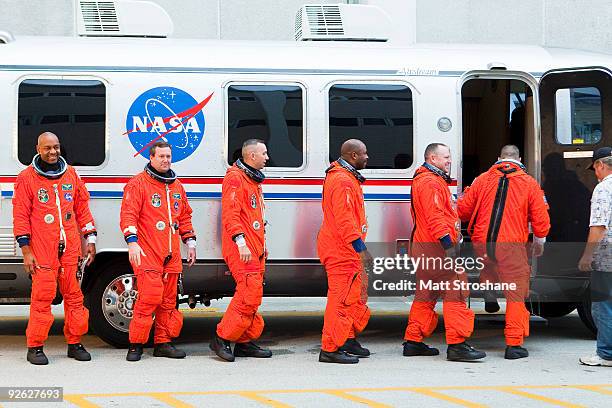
(499, 206)
(50, 213)
(341, 248)
(155, 218)
(435, 236)
(244, 250)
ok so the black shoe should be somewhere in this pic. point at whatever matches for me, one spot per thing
(222, 348)
(36, 356)
(78, 352)
(168, 350)
(352, 347)
(417, 348)
(463, 352)
(251, 349)
(134, 352)
(339, 357)
(515, 352)
(491, 305)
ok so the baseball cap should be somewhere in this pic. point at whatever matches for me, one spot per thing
(600, 154)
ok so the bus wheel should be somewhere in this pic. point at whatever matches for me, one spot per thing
(549, 310)
(111, 303)
(584, 311)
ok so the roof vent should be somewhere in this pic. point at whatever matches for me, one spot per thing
(6, 37)
(122, 18)
(338, 22)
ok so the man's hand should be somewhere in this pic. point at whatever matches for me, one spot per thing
(90, 252)
(585, 263)
(245, 254)
(537, 249)
(29, 261)
(366, 260)
(135, 251)
(451, 252)
(191, 256)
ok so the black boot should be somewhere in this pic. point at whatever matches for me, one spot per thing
(36, 356)
(515, 352)
(491, 305)
(352, 347)
(222, 348)
(134, 352)
(417, 348)
(463, 352)
(168, 350)
(251, 349)
(339, 357)
(78, 352)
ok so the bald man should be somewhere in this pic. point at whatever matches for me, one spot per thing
(50, 213)
(244, 250)
(342, 251)
(500, 205)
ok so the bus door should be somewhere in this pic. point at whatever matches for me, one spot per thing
(576, 120)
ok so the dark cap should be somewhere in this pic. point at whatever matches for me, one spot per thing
(600, 153)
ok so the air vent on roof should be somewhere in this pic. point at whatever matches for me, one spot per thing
(6, 37)
(122, 18)
(349, 22)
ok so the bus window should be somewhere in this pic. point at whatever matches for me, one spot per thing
(75, 110)
(578, 116)
(272, 113)
(379, 115)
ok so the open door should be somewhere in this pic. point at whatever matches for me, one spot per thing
(576, 119)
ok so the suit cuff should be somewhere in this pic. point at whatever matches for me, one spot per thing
(446, 241)
(359, 245)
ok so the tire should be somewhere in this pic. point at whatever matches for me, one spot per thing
(550, 310)
(584, 311)
(111, 302)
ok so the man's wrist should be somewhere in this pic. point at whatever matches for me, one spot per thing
(240, 241)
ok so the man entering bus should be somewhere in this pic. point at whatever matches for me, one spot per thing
(499, 206)
(243, 247)
(50, 212)
(342, 251)
(155, 217)
(435, 236)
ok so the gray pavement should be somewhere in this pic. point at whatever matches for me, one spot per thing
(293, 377)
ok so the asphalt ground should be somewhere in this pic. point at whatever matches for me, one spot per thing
(293, 377)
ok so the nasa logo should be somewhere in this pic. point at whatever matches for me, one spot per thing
(166, 114)
(176, 205)
(68, 196)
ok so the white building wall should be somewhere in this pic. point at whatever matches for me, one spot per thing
(584, 24)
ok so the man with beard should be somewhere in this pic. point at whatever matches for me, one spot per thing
(342, 251)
